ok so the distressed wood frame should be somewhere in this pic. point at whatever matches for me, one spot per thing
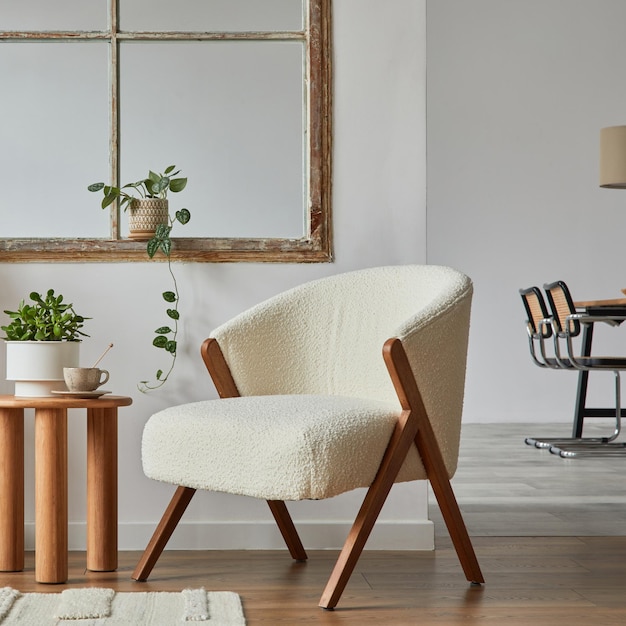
(314, 247)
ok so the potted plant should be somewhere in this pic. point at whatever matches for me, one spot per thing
(146, 200)
(155, 187)
(42, 338)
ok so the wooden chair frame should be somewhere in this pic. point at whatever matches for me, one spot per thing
(413, 427)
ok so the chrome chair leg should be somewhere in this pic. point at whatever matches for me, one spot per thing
(618, 450)
(605, 447)
(550, 442)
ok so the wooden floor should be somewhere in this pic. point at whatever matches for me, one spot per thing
(550, 535)
(507, 488)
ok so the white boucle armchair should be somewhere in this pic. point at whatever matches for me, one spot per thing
(309, 408)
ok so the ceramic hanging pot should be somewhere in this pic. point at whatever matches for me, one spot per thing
(145, 215)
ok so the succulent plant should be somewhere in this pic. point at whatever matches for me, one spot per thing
(48, 319)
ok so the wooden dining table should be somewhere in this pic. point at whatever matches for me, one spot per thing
(51, 487)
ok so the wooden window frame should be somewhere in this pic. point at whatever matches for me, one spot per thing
(314, 247)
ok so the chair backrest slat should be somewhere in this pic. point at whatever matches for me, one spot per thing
(562, 305)
(536, 311)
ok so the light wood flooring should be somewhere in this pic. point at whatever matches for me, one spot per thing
(507, 488)
(550, 535)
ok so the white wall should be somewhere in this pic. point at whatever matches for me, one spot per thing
(379, 218)
(517, 94)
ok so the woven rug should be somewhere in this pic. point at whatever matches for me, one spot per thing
(92, 606)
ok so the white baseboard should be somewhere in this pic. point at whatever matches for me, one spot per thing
(397, 535)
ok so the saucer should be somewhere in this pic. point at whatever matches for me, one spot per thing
(80, 394)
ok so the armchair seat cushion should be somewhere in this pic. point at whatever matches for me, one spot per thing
(285, 447)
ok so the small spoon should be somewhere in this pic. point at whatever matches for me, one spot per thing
(102, 355)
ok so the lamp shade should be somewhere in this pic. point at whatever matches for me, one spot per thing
(613, 157)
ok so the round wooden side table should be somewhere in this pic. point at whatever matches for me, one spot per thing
(51, 493)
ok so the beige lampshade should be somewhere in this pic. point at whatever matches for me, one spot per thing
(613, 157)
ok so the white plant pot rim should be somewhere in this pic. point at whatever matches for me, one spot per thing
(43, 343)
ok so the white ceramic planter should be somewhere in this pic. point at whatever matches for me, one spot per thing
(37, 366)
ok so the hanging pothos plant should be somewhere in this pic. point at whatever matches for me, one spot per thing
(156, 186)
(165, 338)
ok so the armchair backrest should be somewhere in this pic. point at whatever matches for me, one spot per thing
(326, 336)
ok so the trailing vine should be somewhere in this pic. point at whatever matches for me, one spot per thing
(166, 336)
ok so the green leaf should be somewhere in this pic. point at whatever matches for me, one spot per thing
(169, 169)
(160, 341)
(163, 329)
(162, 231)
(159, 374)
(171, 347)
(166, 246)
(169, 296)
(177, 184)
(160, 185)
(152, 247)
(107, 200)
(173, 313)
(96, 187)
(183, 216)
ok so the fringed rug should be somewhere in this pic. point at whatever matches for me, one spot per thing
(92, 606)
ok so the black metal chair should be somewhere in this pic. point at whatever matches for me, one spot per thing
(540, 329)
(567, 323)
(563, 325)
(538, 326)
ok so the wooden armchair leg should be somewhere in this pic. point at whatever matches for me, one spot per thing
(287, 529)
(171, 517)
(359, 533)
(440, 483)
(458, 531)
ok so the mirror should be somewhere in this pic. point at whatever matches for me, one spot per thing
(242, 107)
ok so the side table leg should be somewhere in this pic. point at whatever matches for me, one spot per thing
(51, 495)
(102, 489)
(11, 490)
